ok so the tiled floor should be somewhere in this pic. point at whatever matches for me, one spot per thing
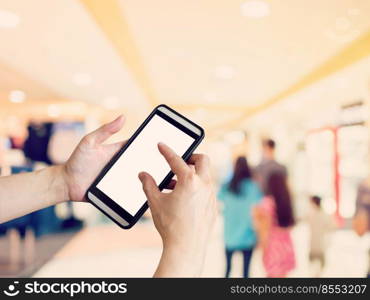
(108, 251)
(45, 248)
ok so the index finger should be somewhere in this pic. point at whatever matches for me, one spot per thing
(177, 164)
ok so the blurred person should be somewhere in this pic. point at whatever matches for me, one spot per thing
(35, 147)
(239, 195)
(320, 225)
(273, 220)
(268, 165)
(183, 218)
(361, 220)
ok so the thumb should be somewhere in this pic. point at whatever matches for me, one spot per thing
(149, 186)
(104, 132)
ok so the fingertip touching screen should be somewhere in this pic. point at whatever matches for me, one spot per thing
(121, 182)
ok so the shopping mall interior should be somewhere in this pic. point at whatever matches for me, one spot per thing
(294, 71)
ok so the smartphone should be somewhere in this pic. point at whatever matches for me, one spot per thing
(117, 191)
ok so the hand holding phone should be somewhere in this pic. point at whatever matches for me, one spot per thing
(183, 217)
(117, 191)
(88, 159)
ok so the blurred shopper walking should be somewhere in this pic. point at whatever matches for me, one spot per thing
(239, 195)
(268, 164)
(273, 219)
(321, 224)
(361, 221)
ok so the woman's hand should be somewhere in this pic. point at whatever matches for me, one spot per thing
(184, 218)
(88, 159)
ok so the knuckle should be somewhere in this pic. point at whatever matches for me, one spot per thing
(145, 188)
(152, 200)
(208, 180)
(87, 139)
(189, 175)
(205, 159)
(172, 157)
(151, 203)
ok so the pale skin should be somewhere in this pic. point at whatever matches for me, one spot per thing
(184, 217)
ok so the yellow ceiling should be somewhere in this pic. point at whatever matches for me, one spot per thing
(142, 53)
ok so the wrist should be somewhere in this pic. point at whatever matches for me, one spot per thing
(191, 245)
(181, 260)
(174, 265)
(60, 184)
(192, 255)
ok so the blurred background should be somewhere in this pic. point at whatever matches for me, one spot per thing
(296, 72)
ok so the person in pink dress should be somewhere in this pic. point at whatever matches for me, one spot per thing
(273, 220)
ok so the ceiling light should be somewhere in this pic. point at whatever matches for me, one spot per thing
(82, 79)
(8, 19)
(211, 97)
(224, 72)
(17, 96)
(342, 24)
(342, 37)
(53, 111)
(353, 11)
(111, 102)
(255, 9)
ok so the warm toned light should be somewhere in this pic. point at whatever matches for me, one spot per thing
(353, 12)
(342, 24)
(8, 19)
(211, 97)
(255, 9)
(82, 79)
(53, 111)
(224, 72)
(17, 96)
(111, 102)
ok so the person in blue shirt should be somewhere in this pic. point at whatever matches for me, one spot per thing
(239, 194)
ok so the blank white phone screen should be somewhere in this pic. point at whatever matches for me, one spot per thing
(121, 182)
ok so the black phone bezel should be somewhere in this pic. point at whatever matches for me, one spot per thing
(131, 220)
